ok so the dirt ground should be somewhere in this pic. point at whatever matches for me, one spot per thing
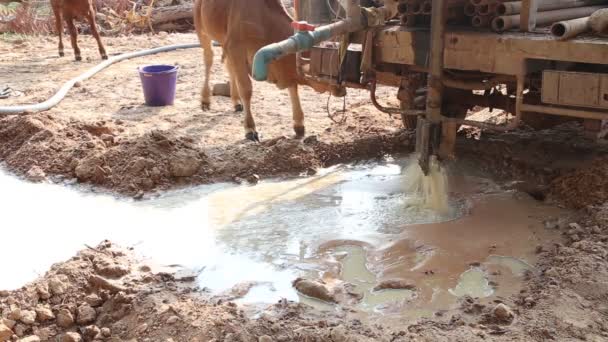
(103, 135)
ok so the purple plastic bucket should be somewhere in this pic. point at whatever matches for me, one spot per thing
(158, 82)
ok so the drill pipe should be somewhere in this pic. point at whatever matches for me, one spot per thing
(510, 8)
(570, 28)
(504, 23)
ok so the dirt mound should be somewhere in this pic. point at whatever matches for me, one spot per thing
(585, 186)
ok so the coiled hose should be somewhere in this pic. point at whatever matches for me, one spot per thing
(63, 91)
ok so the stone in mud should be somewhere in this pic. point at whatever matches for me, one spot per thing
(8, 322)
(5, 333)
(106, 332)
(85, 314)
(43, 291)
(56, 286)
(71, 337)
(35, 174)
(184, 164)
(20, 329)
(394, 284)
(90, 168)
(265, 338)
(108, 267)
(91, 332)
(32, 338)
(313, 289)
(172, 320)
(93, 300)
(28, 317)
(339, 334)
(44, 314)
(503, 313)
(65, 318)
(14, 313)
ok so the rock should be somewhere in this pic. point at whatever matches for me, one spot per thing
(529, 301)
(71, 337)
(14, 313)
(313, 289)
(575, 237)
(221, 89)
(32, 338)
(105, 284)
(172, 320)
(8, 322)
(338, 334)
(184, 164)
(65, 318)
(142, 328)
(106, 332)
(28, 317)
(107, 138)
(20, 329)
(503, 313)
(46, 333)
(253, 179)
(93, 300)
(35, 174)
(394, 284)
(44, 314)
(5, 333)
(91, 332)
(56, 286)
(108, 267)
(265, 338)
(85, 314)
(43, 291)
(90, 168)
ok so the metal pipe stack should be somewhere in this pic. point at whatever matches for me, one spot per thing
(481, 12)
(418, 12)
(566, 18)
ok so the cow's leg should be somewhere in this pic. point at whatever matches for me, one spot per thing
(298, 114)
(234, 95)
(208, 59)
(59, 27)
(236, 57)
(234, 91)
(95, 33)
(73, 38)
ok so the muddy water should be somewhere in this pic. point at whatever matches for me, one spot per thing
(356, 225)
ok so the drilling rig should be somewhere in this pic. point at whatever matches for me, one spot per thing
(542, 61)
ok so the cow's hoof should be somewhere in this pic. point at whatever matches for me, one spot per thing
(238, 108)
(104, 56)
(61, 54)
(205, 105)
(299, 132)
(253, 136)
(78, 58)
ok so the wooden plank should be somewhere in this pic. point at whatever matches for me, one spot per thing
(528, 15)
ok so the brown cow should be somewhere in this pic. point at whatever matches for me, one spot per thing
(70, 10)
(242, 27)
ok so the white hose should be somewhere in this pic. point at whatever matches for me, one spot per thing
(63, 91)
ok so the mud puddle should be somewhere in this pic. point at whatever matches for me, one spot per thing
(351, 227)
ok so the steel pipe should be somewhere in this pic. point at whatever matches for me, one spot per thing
(504, 23)
(514, 7)
(570, 28)
(575, 113)
(305, 40)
